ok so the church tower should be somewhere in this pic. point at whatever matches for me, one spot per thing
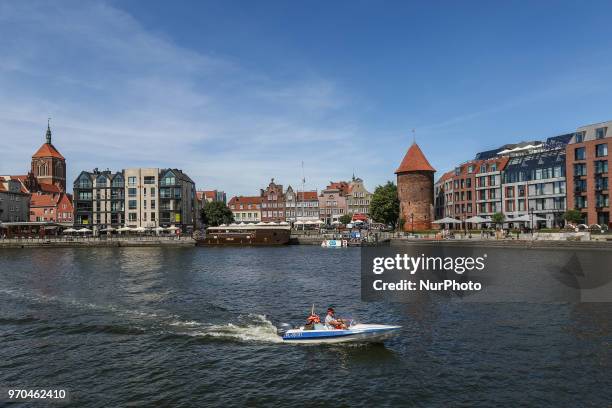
(415, 189)
(48, 165)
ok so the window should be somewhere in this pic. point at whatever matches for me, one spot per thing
(149, 180)
(581, 186)
(118, 181)
(152, 216)
(470, 169)
(132, 217)
(131, 204)
(580, 169)
(144, 204)
(131, 192)
(579, 136)
(483, 168)
(602, 200)
(601, 150)
(457, 171)
(580, 202)
(601, 183)
(101, 181)
(601, 166)
(131, 181)
(152, 191)
(152, 204)
(579, 153)
(600, 133)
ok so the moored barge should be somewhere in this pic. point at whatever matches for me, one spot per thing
(261, 233)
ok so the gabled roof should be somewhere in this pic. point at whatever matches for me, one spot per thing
(43, 200)
(48, 150)
(414, 160)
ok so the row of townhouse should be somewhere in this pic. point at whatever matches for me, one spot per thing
(276, 204)
(540, 179)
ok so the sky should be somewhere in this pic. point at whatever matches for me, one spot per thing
(237, 92)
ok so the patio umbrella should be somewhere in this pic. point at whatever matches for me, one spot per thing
(140, 229)
(476, 220)
(173, 228)
(159, 229)
(84, 230)
(299, 223)
(124, 229)
(69, 231)
(447, 220)
(522, 218)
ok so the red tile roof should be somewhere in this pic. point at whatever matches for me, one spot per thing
(48, 150)
(49, 188)
(43, 200)
(414, 160)
(245, 200)
(308, 195)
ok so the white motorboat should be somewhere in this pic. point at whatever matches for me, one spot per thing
(358, 333)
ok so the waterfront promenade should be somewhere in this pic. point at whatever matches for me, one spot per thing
(84, 242)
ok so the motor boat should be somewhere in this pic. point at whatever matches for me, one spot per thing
(357, 333)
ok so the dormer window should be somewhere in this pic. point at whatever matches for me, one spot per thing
(600, 133)
(579, 137)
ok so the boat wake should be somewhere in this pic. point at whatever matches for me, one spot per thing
(258, 329)
(246, 328)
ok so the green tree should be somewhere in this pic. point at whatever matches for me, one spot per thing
(385, 206)
(573, 216)
(498, 218)
(346, 218)
(216, 213)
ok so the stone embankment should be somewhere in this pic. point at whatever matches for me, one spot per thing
(96, 243)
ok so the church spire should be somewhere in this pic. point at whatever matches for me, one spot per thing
(48, 136)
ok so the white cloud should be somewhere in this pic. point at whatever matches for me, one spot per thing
(123, 96)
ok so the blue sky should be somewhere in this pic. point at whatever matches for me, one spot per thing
(235, 93)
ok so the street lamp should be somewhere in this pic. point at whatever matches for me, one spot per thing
(531, 215)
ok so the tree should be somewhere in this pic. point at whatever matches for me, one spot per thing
(498, 218)
(216, 213)
(572, 216)
(346, 218)
(385, 206)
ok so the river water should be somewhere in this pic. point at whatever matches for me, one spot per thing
(197, 327)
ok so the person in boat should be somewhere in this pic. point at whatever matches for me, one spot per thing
(311, 321)
(331, 322)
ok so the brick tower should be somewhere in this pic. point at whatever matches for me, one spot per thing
(48, 165)
(415, 188)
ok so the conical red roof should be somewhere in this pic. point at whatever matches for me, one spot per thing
(414, 160)
(48, 150)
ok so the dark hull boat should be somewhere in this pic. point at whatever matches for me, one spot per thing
(247, 235)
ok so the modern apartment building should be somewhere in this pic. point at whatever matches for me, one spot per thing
(246, 209)
(488, 179)
(587, 173)
(177, 203)
(99, 199)
(136, 197)
(142, 196)
(534, 184)
(515, 179)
